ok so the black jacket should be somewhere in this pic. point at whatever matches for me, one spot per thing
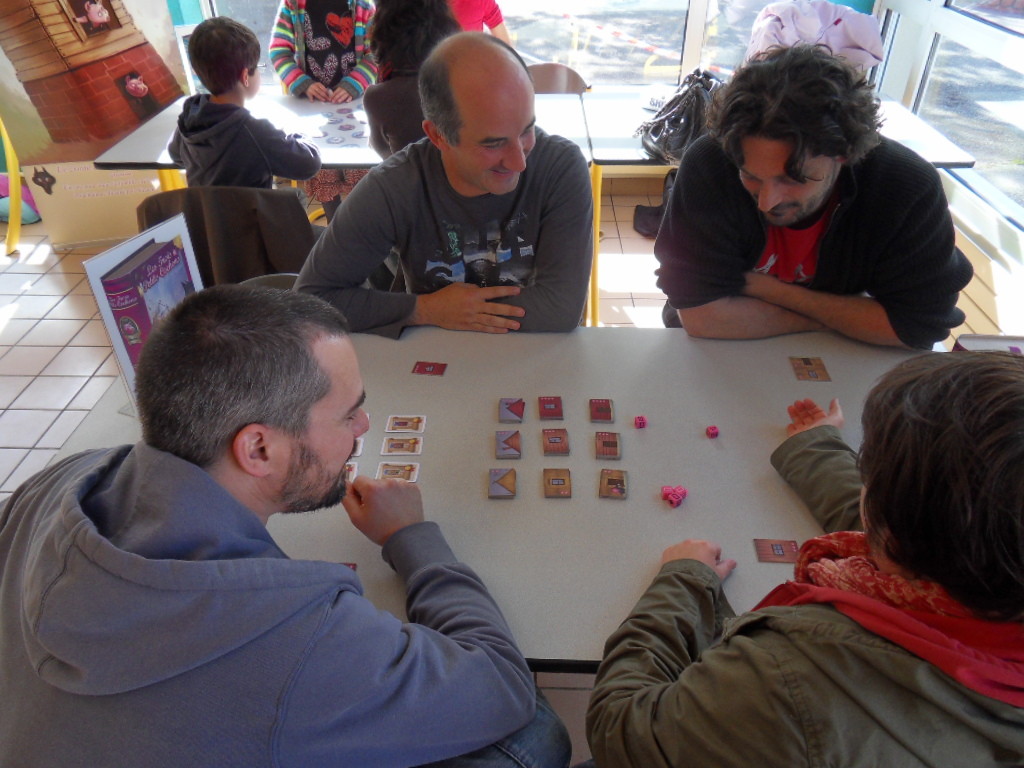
(223, 145)
(891, 237)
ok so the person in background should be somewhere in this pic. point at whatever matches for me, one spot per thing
(794, 214)
(901, 644)
(320, 50)
(148, 618)
(491, 220)
(216, 140)
(474, 15)
(402, 35)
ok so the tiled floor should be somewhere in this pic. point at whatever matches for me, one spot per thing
(55, 362)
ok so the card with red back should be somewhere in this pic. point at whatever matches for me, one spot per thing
(601, 410)
(429, 369)
(550, 407)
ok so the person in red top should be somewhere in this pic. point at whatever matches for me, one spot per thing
(474, 15)
(795, 214)
(901, 644)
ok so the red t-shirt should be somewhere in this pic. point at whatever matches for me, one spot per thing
(791, 254)
(472, 15)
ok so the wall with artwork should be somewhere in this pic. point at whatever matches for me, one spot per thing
(76, 76)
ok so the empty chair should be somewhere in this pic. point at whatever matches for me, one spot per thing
(552, 77)
(237, 232)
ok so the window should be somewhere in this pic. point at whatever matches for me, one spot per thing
(606, 41)
(961, 67)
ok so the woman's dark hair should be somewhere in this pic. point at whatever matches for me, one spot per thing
(404, 32)
(942, 462)
(803, 95)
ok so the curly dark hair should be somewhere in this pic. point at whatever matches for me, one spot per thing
(941, 460)
(404, 32)
(218, 50)
(803, 95)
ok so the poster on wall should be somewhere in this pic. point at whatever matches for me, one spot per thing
(81, 205)
(76, 77)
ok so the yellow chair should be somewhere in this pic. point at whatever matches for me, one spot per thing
(316, 213)
(552, 77)
(14, 176)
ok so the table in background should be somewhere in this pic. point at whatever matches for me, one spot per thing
(338, 130)
(567, 571)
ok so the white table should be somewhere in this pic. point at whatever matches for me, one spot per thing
(615, 112)
(567, 571)
(340, 131)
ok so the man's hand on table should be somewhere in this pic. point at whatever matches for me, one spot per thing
(466, 307)
(381, 508)
(807, 414)
(707, 552)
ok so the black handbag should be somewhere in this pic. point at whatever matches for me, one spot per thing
(681, 120)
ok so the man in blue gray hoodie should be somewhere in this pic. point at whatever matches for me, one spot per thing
(147, 618)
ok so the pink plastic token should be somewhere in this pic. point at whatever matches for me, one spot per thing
(711, 431)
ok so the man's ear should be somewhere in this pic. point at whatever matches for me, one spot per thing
(434, 135)
(255, 449)
(244, 77)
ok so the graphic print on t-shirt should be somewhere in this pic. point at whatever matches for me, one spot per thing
(484, 256)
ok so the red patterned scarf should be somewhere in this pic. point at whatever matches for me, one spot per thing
(920, 616)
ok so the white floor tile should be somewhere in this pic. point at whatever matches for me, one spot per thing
(10, 458)
(53, 333)
(13, 329)
(77, 361)
(616, 311)
(626, 273)
(35, 260)
(50, 392)
(11, 387)
(109, 367)
(32, 463)
(24, 360)
(646, 315)
(55, 284)
(16, 282)
(91, 392)
(74, 307)
(92, 335)
(632, 243)
(61, 430)
(22, 429)
(26, 305)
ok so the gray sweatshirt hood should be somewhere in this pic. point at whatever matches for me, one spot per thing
(108, 607)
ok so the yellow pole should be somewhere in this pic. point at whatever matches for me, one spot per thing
(14, 177)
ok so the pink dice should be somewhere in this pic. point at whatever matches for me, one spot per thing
(711, 431)
(640, 422)
(674, 495)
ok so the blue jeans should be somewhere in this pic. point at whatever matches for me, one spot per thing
(541, 743)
